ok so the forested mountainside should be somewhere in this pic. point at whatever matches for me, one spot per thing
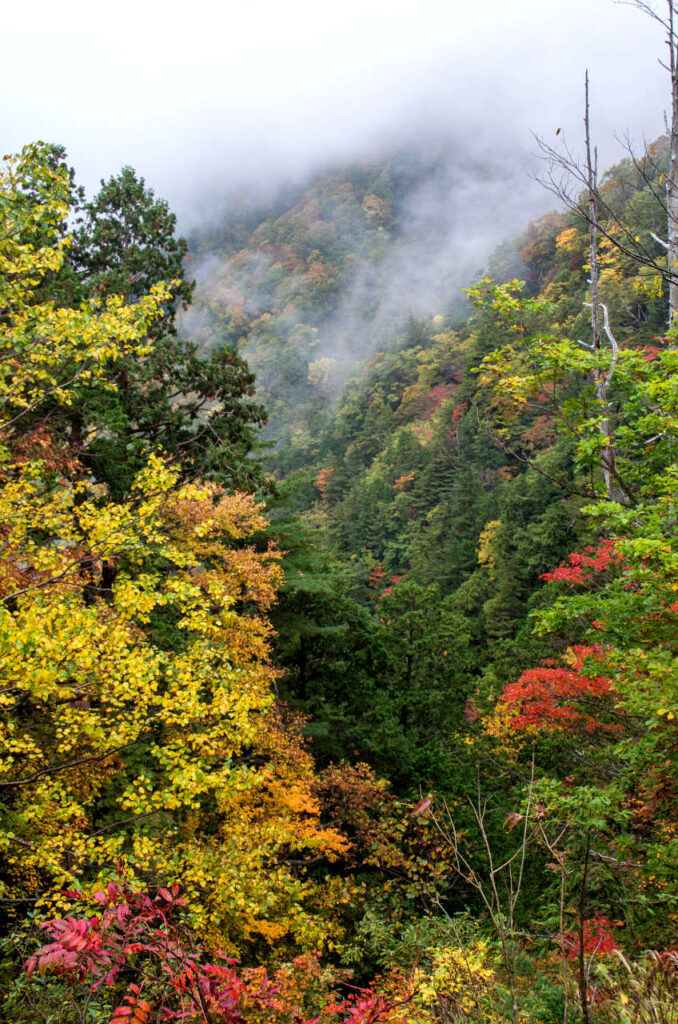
(388, 735)
(436, 497)
(330, 273)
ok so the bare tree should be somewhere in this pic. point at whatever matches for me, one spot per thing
(563, 169)
(499, 882)
(602, 378)
(566, 177)
(668, 23)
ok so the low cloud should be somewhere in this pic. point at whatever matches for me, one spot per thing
(210, 102)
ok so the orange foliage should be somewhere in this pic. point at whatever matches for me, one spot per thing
(359, 806)
(297, 991)
(376, 576)
(288, 791)
(316, 274)
(38, 445)
(403, 482)
(541, 434)
(321, 482)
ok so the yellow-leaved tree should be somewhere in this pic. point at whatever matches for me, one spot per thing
(140, 734)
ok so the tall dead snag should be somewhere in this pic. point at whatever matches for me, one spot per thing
(566, 176)
(671, 244)
(602, 378)
(592, 204)
(564, 170)
(672, 180)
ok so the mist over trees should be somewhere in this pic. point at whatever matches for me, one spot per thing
(338, 612)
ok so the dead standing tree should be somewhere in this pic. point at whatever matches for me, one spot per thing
(668, 23)
(573, 183)
(576, 184)
(563, 171)
(602, 377)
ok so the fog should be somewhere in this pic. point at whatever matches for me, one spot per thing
(451, 223)
(220, 107)
(208, 101)
(458, 206)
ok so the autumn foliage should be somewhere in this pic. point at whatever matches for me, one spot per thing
(137, 945)
(139, 721)
(322, 481)
(584, 567)
(457, 801)
(560, 696)
(596, 939)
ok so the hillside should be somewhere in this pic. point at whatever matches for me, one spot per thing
(387, 737)
(328, 274)
(425, 477)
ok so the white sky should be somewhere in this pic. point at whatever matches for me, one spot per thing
(204, 97)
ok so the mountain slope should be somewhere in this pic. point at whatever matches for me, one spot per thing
(327, 275)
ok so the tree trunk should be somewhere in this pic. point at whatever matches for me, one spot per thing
(672, 179)
(601, 379)
(582, 978)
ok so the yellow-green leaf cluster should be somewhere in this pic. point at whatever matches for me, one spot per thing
(138, 730)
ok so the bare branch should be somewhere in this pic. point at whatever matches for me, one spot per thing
(659, 241)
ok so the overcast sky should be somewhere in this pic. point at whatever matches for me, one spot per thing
(202, 98)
